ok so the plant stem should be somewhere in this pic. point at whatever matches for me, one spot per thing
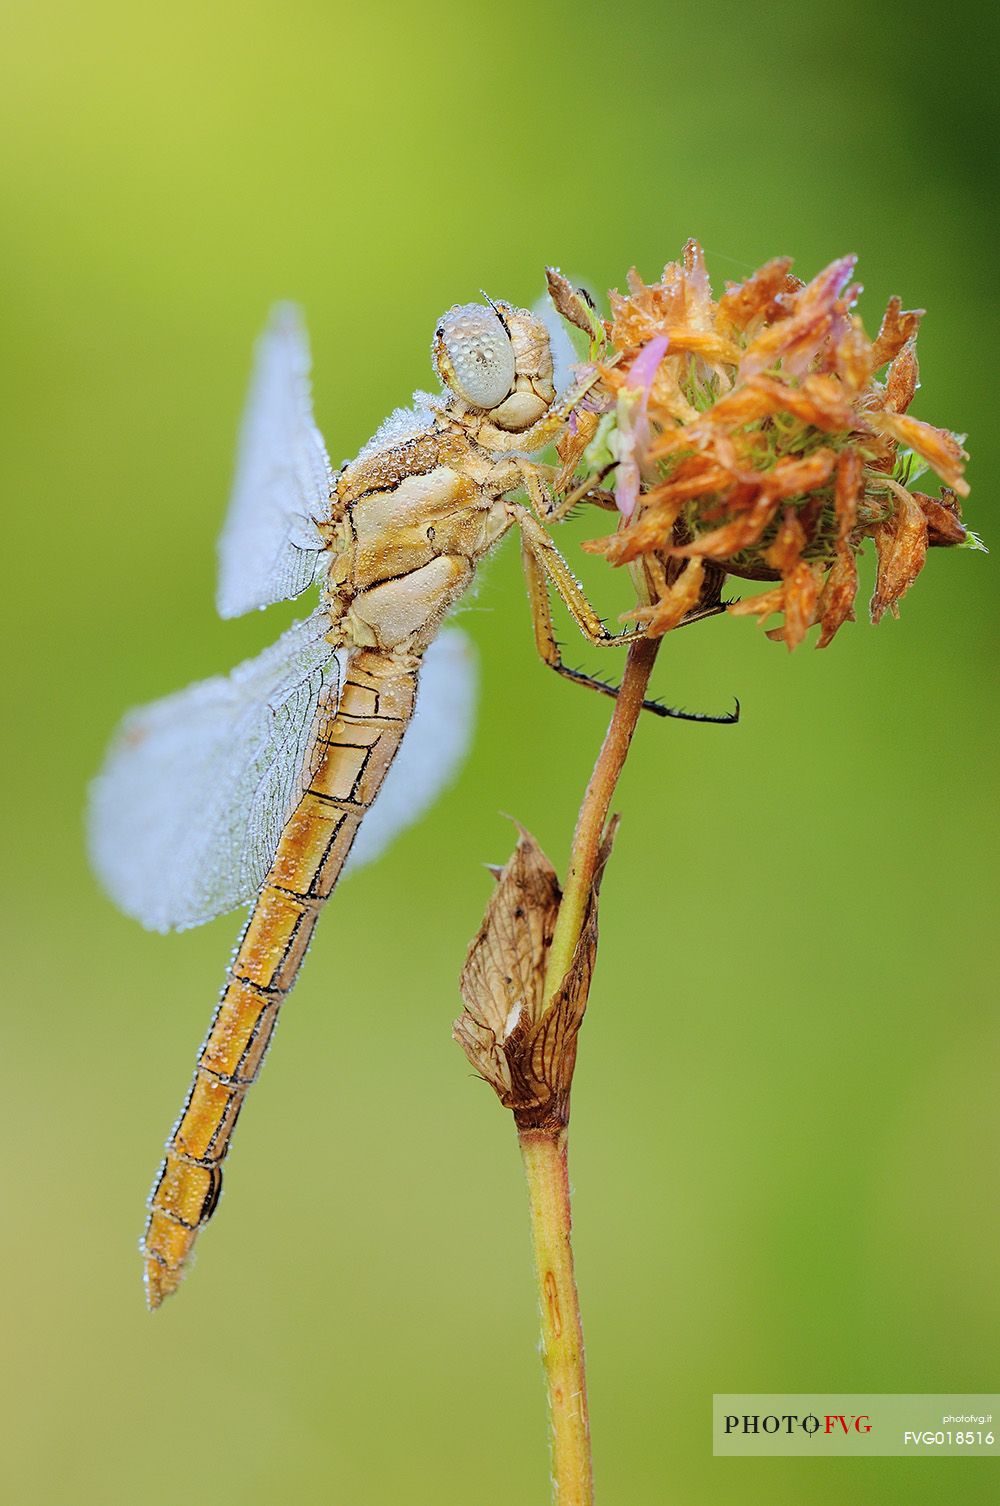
(544, 1155)
(544, 1151)
(594, 810)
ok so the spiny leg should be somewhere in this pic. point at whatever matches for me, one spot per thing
(533, 476)
(545, 640)
(555, 569)
(551, 504)
(543, 563)
(589, 489)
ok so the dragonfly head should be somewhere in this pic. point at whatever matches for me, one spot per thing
(496, 358)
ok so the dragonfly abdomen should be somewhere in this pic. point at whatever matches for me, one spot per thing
(352, 751)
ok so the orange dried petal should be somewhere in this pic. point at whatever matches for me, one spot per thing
(847, 493)
(828, 285)
(742, 302)
(680, 599)
(570, 445)
(944, 518)
(801, 593)
(692, 481)
(938, 447)
(817, 400)
(797, 339)
(708, 344)
(794, 475)
(764, 604)
(651, 531)
(836, 602)
(902, 380)
(789, 541)
(696, 274)
(745, 404)
(570, 448)
(667, 402)
(853, 356)
(732, 537)
(901, 543)
(896, 329)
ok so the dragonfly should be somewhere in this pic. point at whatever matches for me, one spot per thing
(259, 786)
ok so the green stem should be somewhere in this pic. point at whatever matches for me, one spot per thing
(544, 1155)
(594, 811)
(544, 1151)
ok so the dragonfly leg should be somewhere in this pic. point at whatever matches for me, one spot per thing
(550, 503)
(537, 482)
(545, 639)
(543, 563)
(590, 490)
(554, 569)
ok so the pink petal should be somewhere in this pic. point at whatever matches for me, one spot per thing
(644, 367)
(627, 488)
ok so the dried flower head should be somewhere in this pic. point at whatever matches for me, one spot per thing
(763, 435)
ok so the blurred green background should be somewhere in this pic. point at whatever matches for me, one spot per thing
(786, 1110)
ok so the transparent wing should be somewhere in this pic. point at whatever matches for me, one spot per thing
(186, 814)
(269, 549)
(433, 747)
(564, 356)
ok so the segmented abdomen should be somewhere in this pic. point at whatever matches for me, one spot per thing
(354, 751)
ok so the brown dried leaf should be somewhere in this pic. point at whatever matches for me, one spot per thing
(504, 971)
(551, 1051)
(523, 1048)
(569, 301)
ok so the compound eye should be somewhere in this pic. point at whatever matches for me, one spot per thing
(474, 355)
